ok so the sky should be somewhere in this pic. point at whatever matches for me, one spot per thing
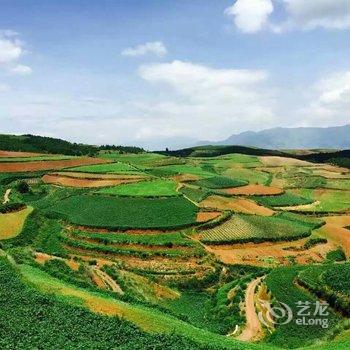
(167, 73)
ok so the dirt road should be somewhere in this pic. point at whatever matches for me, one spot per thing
(108, 281)
(7, 196)
(253, 330)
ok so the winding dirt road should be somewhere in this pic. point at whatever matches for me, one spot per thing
(7, 196)
(253, 330)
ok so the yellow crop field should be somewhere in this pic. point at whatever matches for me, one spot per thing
(11, 224)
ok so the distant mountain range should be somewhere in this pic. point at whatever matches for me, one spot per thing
(337, 137)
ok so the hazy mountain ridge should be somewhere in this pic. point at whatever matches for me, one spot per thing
(337, 137)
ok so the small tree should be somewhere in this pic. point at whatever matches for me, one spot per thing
(23, 187)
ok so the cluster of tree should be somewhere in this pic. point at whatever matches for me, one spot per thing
(122, 149)
(43, 144)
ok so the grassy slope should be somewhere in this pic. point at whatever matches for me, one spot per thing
(147, 319)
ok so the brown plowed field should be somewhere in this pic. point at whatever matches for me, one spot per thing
(15, 167)
(254, 253)
(11, 154)
(75, 182)
(239, 205)
(336, 231)
(93, 176)
(204, 216)
(251, 190)
(185, 177)
(282, 161)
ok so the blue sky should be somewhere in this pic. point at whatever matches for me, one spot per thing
(168, 73)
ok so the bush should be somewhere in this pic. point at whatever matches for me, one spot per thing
(336, 255)
(23, 187)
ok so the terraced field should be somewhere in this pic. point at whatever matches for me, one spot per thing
(125, 213)
(174, 250)
(251, 228)
(153, 188)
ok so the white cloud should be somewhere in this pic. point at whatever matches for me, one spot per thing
(250, 16)
(21, 70)
(331, 14)
(330, 100)
(156, 47)
(10, 50)
(218, 101)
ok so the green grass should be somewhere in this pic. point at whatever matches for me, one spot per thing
(282, 200)
(252, 228)
(30, 319)
(110, 168)
(126, 212)
(218, 182)
(154, 188)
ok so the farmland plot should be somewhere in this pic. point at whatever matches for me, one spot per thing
(252, 228)
(118, 212)
(152, 188)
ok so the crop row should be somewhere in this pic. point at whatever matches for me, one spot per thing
(253, 228)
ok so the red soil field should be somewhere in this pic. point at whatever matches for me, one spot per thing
(11, 154)
(204, 216)
(15, 167)
(76, 182)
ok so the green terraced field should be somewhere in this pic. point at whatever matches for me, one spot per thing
(152, 188)
(282, 200)
(119, 212)
(253, 228)
(218, 182)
